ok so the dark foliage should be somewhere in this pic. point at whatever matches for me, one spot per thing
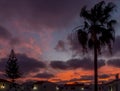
(97, 31)
(12, 68)
(98, 27)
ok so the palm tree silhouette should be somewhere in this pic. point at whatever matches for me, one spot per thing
(97, 31)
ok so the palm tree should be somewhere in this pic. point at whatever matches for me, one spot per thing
(97, 31)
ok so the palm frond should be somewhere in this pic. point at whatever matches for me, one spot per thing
(85, 14)
(109, 8)
(82, 38)
(97, 20)
(111, 23)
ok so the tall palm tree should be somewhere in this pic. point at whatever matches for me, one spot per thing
(97, 31)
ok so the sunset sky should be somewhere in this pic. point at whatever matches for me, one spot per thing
(39, 31)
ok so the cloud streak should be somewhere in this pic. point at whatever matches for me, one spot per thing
(44, 75)
(85, 64)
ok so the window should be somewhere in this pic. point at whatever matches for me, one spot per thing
(2, 86)
(35, 87)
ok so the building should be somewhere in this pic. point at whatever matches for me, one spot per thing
(110, 86)
(44, 86)
(27, 86)
(113, 85)
(75, 87)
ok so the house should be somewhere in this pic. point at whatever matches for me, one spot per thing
(44, 86)
(27, 86)
(75, 87)
(113, 85)
(8, 86)
(110, 86)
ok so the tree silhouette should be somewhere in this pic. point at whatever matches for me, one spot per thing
(97, 31)
(12, 68)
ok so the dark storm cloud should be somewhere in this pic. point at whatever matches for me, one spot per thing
(44, 75)
(59, 65)
(78, 63)
(114, 62)
(26, 64)
(85, 63)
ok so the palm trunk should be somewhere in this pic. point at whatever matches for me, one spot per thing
(95, 69)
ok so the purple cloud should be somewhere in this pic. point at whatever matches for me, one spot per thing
(58, 65)
(44, 75)
(26, 64)
(114, 62)
(85, 63)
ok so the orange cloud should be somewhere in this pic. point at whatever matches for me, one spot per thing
(73, 76)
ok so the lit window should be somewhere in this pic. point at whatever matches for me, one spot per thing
(35, 88)
(57, 88)
(2, 86)
(82, 88)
